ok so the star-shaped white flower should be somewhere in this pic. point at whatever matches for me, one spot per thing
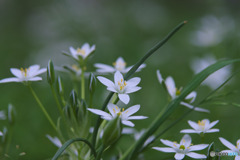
(203, 126)
(120, 86)
(114, 110)
(233, 149)
(24, 75)
(175, 92)
(183, 148)
(82, 52)
(119, 65)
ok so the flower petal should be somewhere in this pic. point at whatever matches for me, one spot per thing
(194, 125)
(198, 147)
(33, 73)
(227, 143)
(128, 123)
(55, 141)
(192, 96)
(16, 72)
(164, 149)
(170, 84)
(106, 82)
(112, 109)
(103, 68)
(131, 110)
(118, 77)
(195, 108)
(128, 130)
(34, 79)
(13, 79)
(189, 131)
(159, 76)
(186, 140)
(212, 130)
(212, 124)
(196, 155)
(99, 112)
(137, 117)
(168, 143)
(132, 89)
(133, 81)
(124, 98)
(179, 156)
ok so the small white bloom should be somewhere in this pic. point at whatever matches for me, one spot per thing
(82, 52)
(55, 141)
(183, 148)
(120, 86)
(2, 115)
(203, 126)
(24, 75)
(119, 65)
(116, 111)
(215, 79)
(233, 149)
(175, 92)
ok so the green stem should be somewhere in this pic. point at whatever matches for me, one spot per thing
(99, 155)
(42, 108)
(82, 84)
(9, 139)
(57, 101)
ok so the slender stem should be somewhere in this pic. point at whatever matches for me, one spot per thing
(99, 155)
(82, 84)
(9, 139)
(42, 108)
(57, 101)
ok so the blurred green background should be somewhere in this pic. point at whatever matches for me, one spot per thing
(32, 32)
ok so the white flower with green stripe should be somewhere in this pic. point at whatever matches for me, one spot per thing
(184, 148)
(120, 86)
(114, 110)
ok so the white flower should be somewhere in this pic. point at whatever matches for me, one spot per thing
(82, 52)
(120, 86)
(215, 79)
(175, 92)
(233, 149)
(55, 141)
(203, 126)
(119, 65)
(183, 148)
(115, 111)
(27, 74)
(2, 115)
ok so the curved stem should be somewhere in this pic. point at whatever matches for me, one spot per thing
(42, 108)
(69, 142)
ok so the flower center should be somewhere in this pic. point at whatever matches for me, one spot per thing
(24, 71)
(81, 51)
(119, 112)
(122, 84)
(182, 147)
(178, 91)
(201, 123)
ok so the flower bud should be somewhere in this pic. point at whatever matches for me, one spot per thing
(92, 83)
(11, 114)
(50, 73)
(73, 100)
(112, 131)
(60, 87)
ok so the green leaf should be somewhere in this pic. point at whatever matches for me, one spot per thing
(69, 142)
(192, 85)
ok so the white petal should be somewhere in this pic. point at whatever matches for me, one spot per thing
(168, 143)
(112, 109)
(34, 67)
(34, 79)
(164, 149)
(128, 130)
(133, 81)
(170, 84)
(137, 117)
(186, 140)
(118, 77)
(212, 124)
(179, 156)
(103, 68)
(189, 131)
(106, 82)
(201, 110)
(1, 134)
(141, 67)
(198, 147)
(227, 143)
(6, 80)
(55, 141)
(32, 73)
(131, 110)
(196, 108)
(99, 112)
(16, 72)
(128, 123)
(159, 76)
(212, 130)
(112, 89)
(85, 47)
(132, 89)
(194, 125)
(196, 155)
(124, 98)
(192, 96)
